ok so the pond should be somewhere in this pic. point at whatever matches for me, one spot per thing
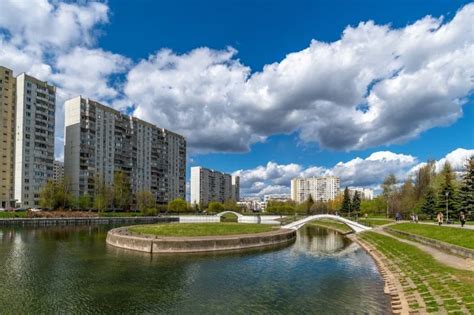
(72, 270)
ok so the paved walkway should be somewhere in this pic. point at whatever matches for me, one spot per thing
(466, 226)
(442, 257)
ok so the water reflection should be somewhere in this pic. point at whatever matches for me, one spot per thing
(71, 270)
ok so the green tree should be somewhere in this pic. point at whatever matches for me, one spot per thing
(48, 195)
(389, 193)
(103, 195)
(346, 202)
(84, 202)
(447, 194)
(408, 196)
(374, 206)
(122, 191)
(146, 202)
(356, 202)
(466, 192)
(429, 205)
(231, 205)
(178, 205)
(423, 180)
(215, 207)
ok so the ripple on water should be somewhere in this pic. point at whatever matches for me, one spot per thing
(70, 269)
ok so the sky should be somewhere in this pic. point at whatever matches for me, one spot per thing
(268, 90)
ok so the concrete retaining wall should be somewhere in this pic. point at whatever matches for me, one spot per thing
(83, 221)
(453, 249)
(122, 237)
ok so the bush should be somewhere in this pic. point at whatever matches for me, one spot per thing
(215, 207)
(149, 212)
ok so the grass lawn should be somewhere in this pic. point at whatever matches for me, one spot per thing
(438, 285)
(375, 222)
(12, 214)
(331, 224)
(201, 229)
(119, 214)
(451, 235)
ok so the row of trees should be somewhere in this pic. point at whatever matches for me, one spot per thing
(119, 196)
(429, 192)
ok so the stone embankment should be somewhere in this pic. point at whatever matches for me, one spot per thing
(84, 221)
(123, 238)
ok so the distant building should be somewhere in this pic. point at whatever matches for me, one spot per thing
(252, 204)
(100, 141)
(7, 137)
(320, 188)
(58, 171)
(365, 193)
(276, 197)
(209, 185)
(34, 139)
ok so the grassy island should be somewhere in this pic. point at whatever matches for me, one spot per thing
(200, 229)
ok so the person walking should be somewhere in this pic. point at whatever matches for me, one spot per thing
(439, 217)
(462, 218)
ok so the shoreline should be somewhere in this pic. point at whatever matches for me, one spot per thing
(83, 221)
(123, 238)
(392, 287)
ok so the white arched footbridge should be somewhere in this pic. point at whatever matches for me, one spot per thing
(356, 227)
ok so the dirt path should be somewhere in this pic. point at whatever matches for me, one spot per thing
(445, 258)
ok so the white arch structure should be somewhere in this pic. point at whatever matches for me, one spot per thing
(354, 226)
(228, 211)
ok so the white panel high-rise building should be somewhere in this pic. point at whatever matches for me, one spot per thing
(320, 188)
(209, 185)
(34, 138)
(100, 141)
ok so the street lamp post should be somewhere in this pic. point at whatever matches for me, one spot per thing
(447, 217)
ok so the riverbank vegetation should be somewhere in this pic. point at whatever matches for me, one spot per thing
(200, 229)
(442, 289)
(451, 235)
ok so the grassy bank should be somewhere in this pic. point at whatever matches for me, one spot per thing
(375, 222)
(12, 214)
(441, 288)
(451, 235)
(330, 224)
(201, 229)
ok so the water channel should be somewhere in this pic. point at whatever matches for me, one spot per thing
(71, 270)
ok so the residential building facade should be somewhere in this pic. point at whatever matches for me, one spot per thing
(58, 171)
(100, 141)
(209, 185)
(320, 188)
(34, 138)
(7, 137)
(365, 193)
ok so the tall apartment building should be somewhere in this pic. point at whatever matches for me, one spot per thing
(7, 137)
(320, 188)
(100, 140)
(34, 138)
(209, 185)
(365, 193)
(58, 171)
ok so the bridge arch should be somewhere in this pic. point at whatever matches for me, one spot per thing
(354, 226)
(229, 211)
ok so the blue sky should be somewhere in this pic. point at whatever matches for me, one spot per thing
(245, 81)
(264, 32)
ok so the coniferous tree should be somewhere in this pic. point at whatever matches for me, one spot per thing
(447, 192)
(309, 204)
(466, 192)
(356, 202)
(429, 205)
(346, 201)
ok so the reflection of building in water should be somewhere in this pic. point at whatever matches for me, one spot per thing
(320, 240)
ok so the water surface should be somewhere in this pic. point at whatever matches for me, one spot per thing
(72, 270)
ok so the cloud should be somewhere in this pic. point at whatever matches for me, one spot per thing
(53, 41)
(363, 172)
(376, 85)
